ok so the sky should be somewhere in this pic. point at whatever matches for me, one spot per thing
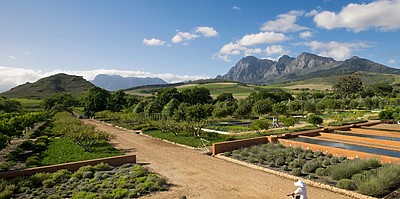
(179, 40)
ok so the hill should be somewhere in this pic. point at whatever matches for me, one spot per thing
(305, 66)
(116, 82)
(48, 86)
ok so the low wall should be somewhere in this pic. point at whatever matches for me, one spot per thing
(72, 166)
(376, 132)
(237, 144)
(339, 152)
(364, 140)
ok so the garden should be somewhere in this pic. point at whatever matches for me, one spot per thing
(368, 176)
(99, 181)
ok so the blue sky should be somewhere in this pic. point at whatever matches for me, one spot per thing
(183, 39)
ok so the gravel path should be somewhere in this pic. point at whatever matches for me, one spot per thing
(200, 176)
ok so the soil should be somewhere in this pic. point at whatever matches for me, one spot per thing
(196, 175)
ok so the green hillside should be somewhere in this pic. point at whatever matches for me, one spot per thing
(48, 86)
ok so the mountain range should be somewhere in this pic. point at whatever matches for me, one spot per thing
(287, 69)
(116, 82)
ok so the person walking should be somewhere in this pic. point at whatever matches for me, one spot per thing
(301, 192)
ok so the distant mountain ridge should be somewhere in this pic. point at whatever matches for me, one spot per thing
(116, 82)
(48, 86)
(287, 69)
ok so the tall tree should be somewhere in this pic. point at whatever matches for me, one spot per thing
(348, 84)
(117, 101)
(96, 99)
(196, 95)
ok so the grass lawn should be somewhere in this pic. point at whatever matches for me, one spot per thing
(186, 138)
(64, 150)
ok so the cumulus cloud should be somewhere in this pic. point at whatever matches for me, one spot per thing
(153, 42)
(235, 8)
(11, 77)
(276, 50)
(285, 23)
(243, 45)
(11, 57)
(383, 15)
(311, 13)
(206, 31)
(337, 50)
(183, 36)
(262, 38)
(306, 34)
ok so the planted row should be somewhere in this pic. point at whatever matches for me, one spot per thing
(100, 181)
(367, 176)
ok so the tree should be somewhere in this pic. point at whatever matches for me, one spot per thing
(314, 120)
(59, 103)
(9, 105)
(224, 109)
(165, 95)
(170, 107)
(196, 95)
(348, 84)
(117, 101)
(260, 124)
(243, 109)
(262, 107)
(153, 107)
(224, 97)
(279, 108)
(96, 99)
(87, 136)
(287, 121)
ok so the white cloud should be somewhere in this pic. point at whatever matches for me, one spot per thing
(261, 38)
(27, 52)
(153, 42)
(383, 15)
(311, 13)
(392, 61)
(252, 51)
(11, 57)
(275, 49)
(206, 31)
(11, 77)
(183, 36)
(284, 23)
(235, 8)
(306, 34)
(337, 50)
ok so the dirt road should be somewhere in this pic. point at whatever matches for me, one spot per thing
(200, 176)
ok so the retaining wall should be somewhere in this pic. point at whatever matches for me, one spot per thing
(237, 144)
(339, 152)
(72, 166)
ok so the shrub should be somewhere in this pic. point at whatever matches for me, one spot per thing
(309, 156)
(346, 184)
(40, 146)
(285, 168)
(342, 158)
(372, 187)
(102, 167)
(255, 149)
(26, 145)
(334, 160)
(227, 153)
(321, 172)
(309, 167)
(32, 161)
(383, 182)
(296, 172)
(280, 161)
(7, 192)
(346, 169)
(326, 162)
(312, 176)
(261, 156)
(318, 153)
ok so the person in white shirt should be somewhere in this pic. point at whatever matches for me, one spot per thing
(301, 192)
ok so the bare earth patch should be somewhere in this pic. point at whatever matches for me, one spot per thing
(310, 86)
(200, 176)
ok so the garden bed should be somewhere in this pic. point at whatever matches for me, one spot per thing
(367, 177)
(102, 180)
